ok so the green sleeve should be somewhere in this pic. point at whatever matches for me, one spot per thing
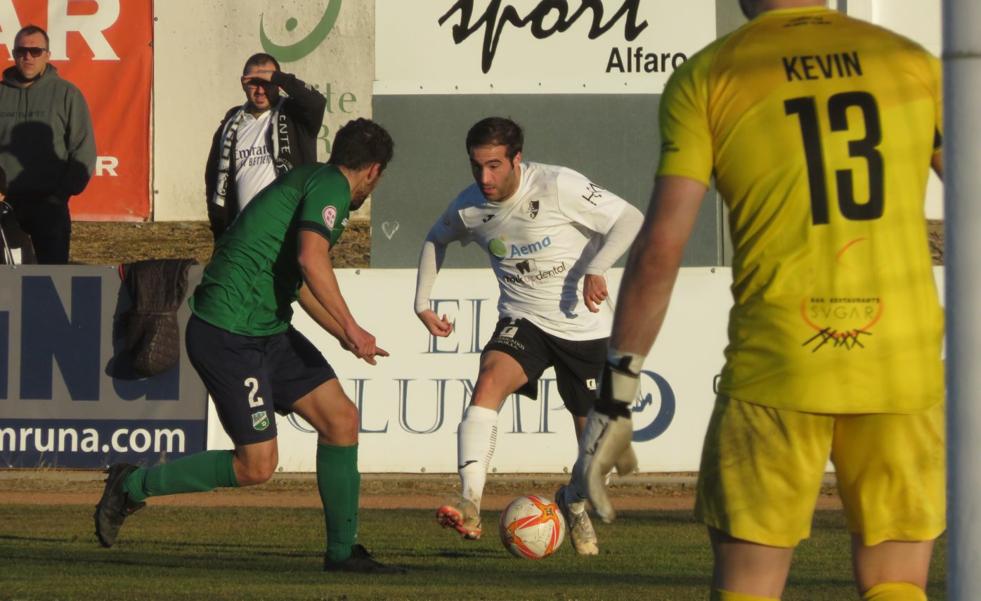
(325, 204)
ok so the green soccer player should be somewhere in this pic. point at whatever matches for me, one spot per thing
(253, 362)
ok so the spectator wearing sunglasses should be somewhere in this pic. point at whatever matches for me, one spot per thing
(47, 146)
(274, 131)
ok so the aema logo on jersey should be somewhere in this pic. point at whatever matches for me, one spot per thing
(502, 250)
(497, 248)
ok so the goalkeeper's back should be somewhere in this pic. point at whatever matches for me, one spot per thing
(820, 130)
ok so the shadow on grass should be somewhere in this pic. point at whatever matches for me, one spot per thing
(260, 567)
(646, 554)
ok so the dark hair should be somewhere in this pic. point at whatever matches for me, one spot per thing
(3, 181)
(360, 143)
(259, 59)
(497, 131)
(749, 7)
(31, 30)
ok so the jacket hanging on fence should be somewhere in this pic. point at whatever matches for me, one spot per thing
(152, 335)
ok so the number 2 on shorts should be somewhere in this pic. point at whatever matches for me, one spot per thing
(253, 385)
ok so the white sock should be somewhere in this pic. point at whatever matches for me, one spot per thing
(476, 439)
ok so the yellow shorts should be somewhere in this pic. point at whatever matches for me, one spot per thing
(762, 468)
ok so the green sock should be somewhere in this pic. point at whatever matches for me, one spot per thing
(340, 485)
(195, 473)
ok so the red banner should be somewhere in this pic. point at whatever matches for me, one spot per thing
(105, 47)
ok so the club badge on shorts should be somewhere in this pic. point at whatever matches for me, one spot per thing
(260, 421)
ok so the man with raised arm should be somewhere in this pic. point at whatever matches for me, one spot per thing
(274, 131)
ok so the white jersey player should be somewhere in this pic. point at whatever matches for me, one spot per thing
(550, 235)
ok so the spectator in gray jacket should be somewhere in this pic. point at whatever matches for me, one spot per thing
(47, 146)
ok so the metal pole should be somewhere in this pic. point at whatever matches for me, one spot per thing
(962, 213)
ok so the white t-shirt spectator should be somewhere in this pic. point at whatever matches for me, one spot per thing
(254, 169)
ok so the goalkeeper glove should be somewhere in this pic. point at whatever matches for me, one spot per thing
(609, 430)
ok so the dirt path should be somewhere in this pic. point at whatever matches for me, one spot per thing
(108, 243)
(378, 491)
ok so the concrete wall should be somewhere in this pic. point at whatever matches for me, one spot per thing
(200, 48)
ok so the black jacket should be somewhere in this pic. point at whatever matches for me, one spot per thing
(304, 111)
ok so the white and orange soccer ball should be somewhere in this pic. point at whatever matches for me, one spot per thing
(532, 527)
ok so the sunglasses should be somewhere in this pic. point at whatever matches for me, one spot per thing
(22, 51)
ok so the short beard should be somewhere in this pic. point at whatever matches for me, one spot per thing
(24, 79)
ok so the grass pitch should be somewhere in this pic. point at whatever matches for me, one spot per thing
(50, 552)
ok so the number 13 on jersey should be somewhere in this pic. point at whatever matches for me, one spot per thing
(806, 109)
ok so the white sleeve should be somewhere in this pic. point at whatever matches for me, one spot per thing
(617, 240)
(587, 204)
(601, 211)
(449, 228)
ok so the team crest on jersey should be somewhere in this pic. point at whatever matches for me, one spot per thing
(330, 215)
(533, 209)
(260, 421)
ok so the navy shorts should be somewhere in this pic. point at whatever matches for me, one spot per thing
(250, 377)
(577, 363)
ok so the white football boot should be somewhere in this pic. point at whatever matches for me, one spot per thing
(580, 527)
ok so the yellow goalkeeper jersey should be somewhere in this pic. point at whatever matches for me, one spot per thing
(819, 130)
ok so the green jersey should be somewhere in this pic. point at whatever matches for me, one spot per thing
(253, 278)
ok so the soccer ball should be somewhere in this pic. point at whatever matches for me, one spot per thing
(532, 527)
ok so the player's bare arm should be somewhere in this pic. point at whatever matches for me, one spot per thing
(937, 162)
(324, 319)
(437, 326)
(648, 279)
(594, 291)
(318, 275)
